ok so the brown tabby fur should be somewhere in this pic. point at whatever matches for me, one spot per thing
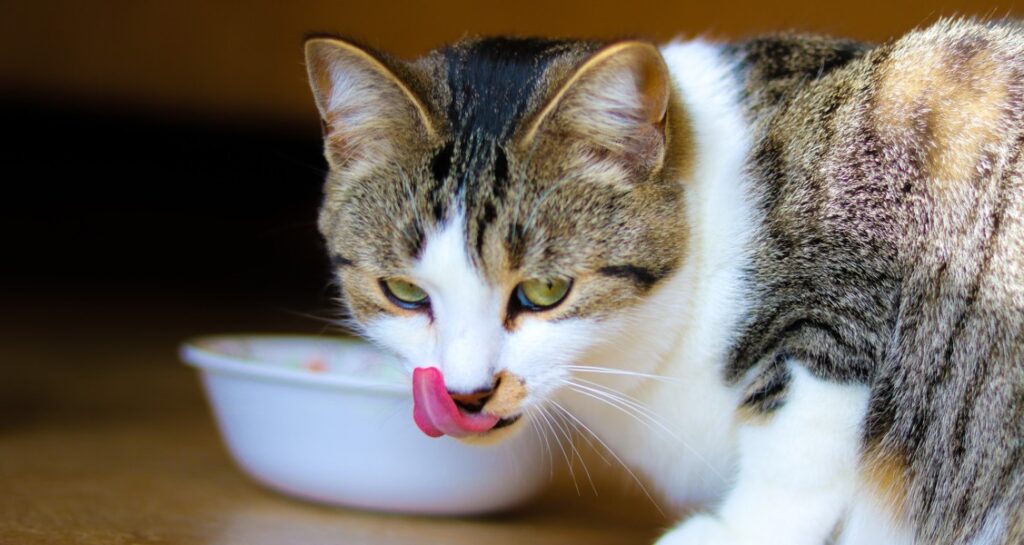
(893, 252)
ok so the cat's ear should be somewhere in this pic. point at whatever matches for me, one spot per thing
(611, 110)
(368, 111)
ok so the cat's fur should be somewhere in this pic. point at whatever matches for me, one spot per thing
(819, 242)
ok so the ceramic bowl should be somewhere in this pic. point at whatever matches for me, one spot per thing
(330, 419)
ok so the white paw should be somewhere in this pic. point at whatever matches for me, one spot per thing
(700, 530)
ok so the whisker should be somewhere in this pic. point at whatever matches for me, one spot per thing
(641, 413)
(622, 372)
(591, 444)
(547, 443)
(612, 452)
(625, 398)
(568, 462)
(625, 405)
(563, 425)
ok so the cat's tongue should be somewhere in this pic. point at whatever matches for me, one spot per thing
(435, 411)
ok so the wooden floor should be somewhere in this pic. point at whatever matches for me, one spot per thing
(105, 438)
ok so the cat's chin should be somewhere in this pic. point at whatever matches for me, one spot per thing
(506, 428)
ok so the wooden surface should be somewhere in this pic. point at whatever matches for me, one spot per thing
(105, 438)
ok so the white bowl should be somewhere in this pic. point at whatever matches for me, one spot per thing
(330, 419)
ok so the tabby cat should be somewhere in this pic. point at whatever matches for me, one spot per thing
(781, 278)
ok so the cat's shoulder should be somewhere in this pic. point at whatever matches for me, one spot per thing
(968, 61)
(955, 86)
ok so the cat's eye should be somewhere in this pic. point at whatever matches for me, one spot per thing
(542, 293)
(404, 293)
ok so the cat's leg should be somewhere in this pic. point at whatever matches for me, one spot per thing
(797, 470)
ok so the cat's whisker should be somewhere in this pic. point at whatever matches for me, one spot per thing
(612, 453)
(329, 324)
(568, 462)
(542, 439)
(612, 397)
(641, 413)
(622, 372)
(591, 444)
(626, 398)
(631, 412)
(569, 433)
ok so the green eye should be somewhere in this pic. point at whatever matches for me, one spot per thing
(542, 293)
(404, 294)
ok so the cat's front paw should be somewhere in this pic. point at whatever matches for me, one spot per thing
(699, 530)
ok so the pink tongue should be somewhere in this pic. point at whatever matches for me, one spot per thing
(435, 411)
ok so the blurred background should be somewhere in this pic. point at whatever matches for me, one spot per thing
(166, 154)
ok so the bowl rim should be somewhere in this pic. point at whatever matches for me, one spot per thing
(197, 352)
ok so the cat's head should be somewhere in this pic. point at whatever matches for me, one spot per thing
(501, 209)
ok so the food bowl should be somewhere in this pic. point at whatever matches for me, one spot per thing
(331, 420)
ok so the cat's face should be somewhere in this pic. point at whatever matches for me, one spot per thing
(497, 208)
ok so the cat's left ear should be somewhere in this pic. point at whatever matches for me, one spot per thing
(369, 113)
(611, 110)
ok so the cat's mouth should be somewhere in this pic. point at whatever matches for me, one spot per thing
(437, 414)
(506, 422)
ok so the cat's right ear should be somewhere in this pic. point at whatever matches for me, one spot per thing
(368, 112)
(610, 115)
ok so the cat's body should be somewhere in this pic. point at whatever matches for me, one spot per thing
(818, 245)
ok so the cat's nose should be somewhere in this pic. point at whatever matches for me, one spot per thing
(473, 401)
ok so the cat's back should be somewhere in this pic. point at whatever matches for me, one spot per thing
(914, 132)
(905, 158)
(891, 186)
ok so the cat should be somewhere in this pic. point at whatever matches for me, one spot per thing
(780, 278)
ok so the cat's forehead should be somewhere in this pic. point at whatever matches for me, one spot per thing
(490, 84)
(484, 92)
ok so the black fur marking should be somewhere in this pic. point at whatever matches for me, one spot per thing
(338, 262)
(413, 237)
(643, 277)
(500, 167)
(795, 339)
(491, 83)
(441, 165)
(821, 326)
(439, 210)
(516, 244)
(767, 393)
(490, 213)
(881, 410)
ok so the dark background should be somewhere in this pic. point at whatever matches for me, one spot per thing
(164, 157)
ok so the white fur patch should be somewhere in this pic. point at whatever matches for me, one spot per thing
(468, 312)
(797, 472)
(467, 339)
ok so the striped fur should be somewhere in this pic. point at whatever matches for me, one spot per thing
(893, 252)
